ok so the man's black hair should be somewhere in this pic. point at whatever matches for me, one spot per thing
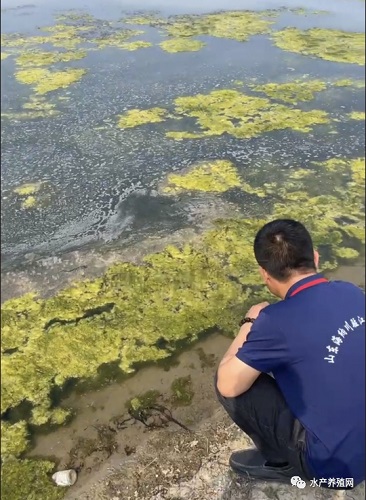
(284, 246)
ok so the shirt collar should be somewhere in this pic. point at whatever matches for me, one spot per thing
(302, 282)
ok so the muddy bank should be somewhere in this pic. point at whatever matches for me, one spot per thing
(177, 466)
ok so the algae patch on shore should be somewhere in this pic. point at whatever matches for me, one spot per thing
(26, 479)
(331, 45)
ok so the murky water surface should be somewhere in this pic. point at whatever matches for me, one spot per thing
(102, 181)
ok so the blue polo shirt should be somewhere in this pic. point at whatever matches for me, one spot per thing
(313, 342)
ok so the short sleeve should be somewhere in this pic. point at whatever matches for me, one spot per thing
(265, 349)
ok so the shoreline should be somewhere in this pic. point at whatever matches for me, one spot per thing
(79, 444)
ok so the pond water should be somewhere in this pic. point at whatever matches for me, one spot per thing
(101, 181)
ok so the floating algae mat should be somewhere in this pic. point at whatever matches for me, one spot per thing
(243, 115)
(118, 130)
(332, 45)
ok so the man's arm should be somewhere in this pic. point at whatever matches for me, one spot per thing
(235, 377)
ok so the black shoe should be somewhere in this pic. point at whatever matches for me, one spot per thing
(252, 465)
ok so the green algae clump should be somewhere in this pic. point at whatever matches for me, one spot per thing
(174, 45)
(242, 115)
(138, 44)
(38, 58)
(182, 391)
(143, 401)
(328, 44)
(29, 202)
(29, 479)
(347, 82)
(347, 253)
(357, 115)
(4, 55)
(14, 438)
(237, 25)
(28, 189)
(291, 92)
(216, 176)
(117, 39)
(137, 117)
(44, 80)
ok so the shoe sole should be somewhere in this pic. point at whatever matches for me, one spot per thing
(266, 479)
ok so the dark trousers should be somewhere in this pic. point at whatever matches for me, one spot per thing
(262, 413)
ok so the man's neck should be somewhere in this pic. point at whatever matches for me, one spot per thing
(285, 287)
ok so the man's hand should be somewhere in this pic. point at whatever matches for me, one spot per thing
(256, 309)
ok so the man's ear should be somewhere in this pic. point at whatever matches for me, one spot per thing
(264, 274)
(316, 258)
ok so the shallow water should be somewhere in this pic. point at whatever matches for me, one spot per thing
(103, 182)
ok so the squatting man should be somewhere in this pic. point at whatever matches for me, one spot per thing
(294, 377)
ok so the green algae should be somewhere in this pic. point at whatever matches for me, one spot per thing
(182, 391)
(174, 45)
(29, 202)
(28, 189)
(39, 58)
(151, 20)
(291, 92)
(347, 82)
(44, 80)
(44, 415)
(37, 106)
(242, 115)
(328, 44)
(4, 55)
(83, 17)
(137, 117)
(132, 46)
(347, 253)
(117, 39)
(14, 439)
(357, 115)
(29, 479)
(237, 25)
(217, 176)
(138, 403)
